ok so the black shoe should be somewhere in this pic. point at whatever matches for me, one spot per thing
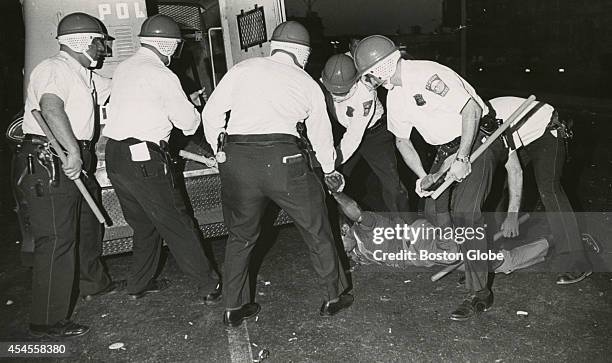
(152, 287)
(112, 288)
(572, 277)
(214, 297)
(469, 307)
(234, 318)
(332, 308)
(61, 329)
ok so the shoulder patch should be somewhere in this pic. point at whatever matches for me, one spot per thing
(367, 106)
(350, 111)
(437, 86)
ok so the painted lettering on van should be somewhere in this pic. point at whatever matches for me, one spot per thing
(121, 10)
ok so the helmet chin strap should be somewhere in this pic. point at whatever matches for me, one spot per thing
(274, 51)
(388, 85)
(92, 63)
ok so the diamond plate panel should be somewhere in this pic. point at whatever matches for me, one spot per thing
(205, 195)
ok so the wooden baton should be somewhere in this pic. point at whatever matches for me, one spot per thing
(60, 153)
(450, 268)
(482, 148)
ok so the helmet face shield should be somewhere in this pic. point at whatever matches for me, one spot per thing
(380, 73)
(300, 52)
(165, 46)
(179, 49)
(108, 46)
(104, 46)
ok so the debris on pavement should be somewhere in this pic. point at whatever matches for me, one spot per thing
(116, 346)
(266, 283)
(103, 315)
(407, 281)
(190, 323)
(9, 302)
(263, 354)
(385, 298)
(521, 313)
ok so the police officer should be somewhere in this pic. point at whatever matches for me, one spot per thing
(147, 103)
(537, 136)
(358, 109)
(61, 87)
(267, 97)
(446, 111)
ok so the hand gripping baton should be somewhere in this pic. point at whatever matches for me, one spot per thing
(482, 148)
(79, 183)
(221, 141)
(450, 268)
(209, 161)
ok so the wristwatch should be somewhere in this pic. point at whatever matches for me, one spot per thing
(463, 159)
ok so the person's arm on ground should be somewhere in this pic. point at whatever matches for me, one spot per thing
(510, 226)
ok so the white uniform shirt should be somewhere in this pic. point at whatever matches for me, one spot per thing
(147, 100)
(270, 95)
(360, 111)
(529, 130)
(430, 99)
(66, 78)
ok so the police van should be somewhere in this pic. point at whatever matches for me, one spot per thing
(217, 34)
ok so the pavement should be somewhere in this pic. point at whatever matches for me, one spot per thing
(398, 315)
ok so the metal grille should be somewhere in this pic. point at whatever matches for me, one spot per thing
(124, 41)
(252, 28)
(188, 16)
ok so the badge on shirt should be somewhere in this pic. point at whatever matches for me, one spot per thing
(367, 106)
(437, 86)
(420, 101)
(350, 111)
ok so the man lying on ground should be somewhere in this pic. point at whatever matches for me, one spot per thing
(405, 239)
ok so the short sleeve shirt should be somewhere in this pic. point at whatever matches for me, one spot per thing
(430, 99)
(66, 78)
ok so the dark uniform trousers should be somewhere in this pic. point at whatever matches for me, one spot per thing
(378, 150)
(465, 200)
(253, 175)
(155, 210)
(547, 156)
(65, 231)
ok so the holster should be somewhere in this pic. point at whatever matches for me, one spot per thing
(170, 161)
(49, 161)
(488, 124)
(305, 146)
(564, 127)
